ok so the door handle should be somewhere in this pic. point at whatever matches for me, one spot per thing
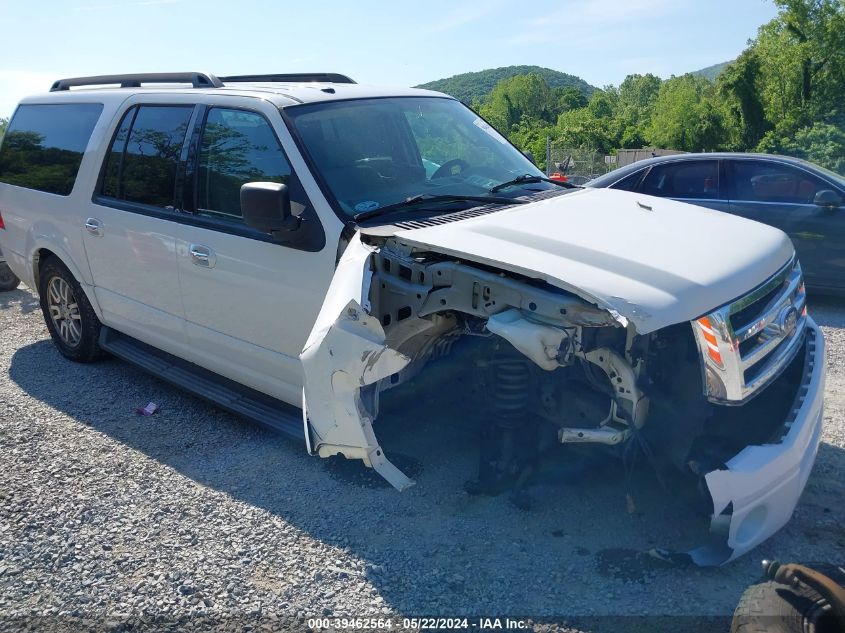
(202, 256)
(94, 227)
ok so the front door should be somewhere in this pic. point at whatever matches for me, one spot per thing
(782, 195)
(250, 302)
(130, 226)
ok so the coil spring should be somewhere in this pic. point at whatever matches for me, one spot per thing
(511, 383)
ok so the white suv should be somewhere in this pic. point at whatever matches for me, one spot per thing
(290, 246)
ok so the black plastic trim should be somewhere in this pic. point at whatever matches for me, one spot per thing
(227, 394)
(196, 79)
(334, 78)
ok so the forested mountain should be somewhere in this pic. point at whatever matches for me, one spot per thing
(469, 87)
(785, 93)
(711, 72)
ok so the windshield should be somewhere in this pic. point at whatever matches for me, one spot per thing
(376, 152)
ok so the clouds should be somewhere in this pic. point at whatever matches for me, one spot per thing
(467, 13)
(591, 20)
(612, 36)
(595, 13)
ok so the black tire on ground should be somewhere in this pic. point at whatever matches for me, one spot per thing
(8, 280)
(770, 607)
(86, 349)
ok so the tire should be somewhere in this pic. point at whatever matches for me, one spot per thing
(8, 280)
(771, 607)
(71, 320)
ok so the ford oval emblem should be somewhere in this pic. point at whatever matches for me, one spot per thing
(788, 320)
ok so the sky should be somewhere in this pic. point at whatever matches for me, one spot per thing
(395, 43)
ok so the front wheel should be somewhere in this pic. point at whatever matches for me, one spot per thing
(8, 279)
(71, 320)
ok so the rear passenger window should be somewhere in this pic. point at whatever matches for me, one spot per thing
(237, 147)
(44, 144)
(683, 179)
(144, 157)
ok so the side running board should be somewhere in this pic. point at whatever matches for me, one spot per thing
(226, 394)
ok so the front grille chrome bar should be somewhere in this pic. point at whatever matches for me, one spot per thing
(747, 343)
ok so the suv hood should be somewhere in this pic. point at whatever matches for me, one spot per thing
(653, 261)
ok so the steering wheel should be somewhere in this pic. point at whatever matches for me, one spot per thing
(447, 168)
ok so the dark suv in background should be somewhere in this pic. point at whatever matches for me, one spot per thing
(804, 200)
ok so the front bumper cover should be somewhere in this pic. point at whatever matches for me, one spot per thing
(757, 492)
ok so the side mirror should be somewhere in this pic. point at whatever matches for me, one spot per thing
(828, 199)
(530, 156)
(265, 206)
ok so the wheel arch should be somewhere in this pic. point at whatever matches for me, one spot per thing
(42, 253)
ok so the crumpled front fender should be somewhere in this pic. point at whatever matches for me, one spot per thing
(344, 355)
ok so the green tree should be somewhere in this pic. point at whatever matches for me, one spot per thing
(530, 136)
(569, 98)
(602, 104)
(821, 143)
(637, 96)
(685, 116)
(516, 99)
(802, 63)
(582, 129)
(738, 88)
(4, 123)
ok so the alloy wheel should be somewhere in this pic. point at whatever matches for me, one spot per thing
(64, 311)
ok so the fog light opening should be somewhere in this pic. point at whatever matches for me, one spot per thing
(752, 525)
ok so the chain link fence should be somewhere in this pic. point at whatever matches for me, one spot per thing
(578, 165)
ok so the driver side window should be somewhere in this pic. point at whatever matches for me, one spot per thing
(768, 181)
(237, 147)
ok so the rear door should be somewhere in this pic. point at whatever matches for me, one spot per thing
(693, 181)
(130, 224)
(782, 195)
(250, 302)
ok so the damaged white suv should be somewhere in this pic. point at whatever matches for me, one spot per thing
(290, 246)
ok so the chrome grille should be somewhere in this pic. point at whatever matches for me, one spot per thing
(747, 344)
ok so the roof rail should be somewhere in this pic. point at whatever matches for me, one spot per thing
(197, 80)
(334, 78)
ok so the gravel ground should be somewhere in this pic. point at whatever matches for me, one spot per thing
(192, 518)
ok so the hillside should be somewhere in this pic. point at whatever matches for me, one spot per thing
(711, 72)
(477, 85)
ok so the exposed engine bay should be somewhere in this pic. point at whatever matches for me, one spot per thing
(551, 367)
(547, 368)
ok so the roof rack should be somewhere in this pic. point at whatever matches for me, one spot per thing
(334, 78)
(197, 80)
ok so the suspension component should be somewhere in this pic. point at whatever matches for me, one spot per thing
(628, 407)
(511, 386)
(508, 442)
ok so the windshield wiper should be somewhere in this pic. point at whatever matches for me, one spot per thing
(530, 178)
(425, 198)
